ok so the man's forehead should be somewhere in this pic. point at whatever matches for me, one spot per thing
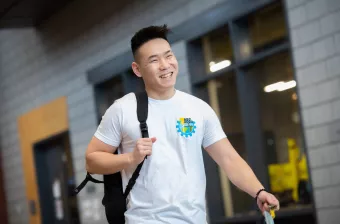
(157, 45)
(153, 47)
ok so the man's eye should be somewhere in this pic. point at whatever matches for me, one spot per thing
(169, 56)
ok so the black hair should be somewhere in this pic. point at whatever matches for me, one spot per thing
(146, 34)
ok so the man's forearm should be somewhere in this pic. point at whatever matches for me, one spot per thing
(241, 175)
(107, 163)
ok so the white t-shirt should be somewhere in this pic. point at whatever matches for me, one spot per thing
(172, 182)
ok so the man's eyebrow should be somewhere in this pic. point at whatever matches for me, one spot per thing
(155, 55)
(167, 52)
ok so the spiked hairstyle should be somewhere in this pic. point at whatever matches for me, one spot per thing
(146, 34)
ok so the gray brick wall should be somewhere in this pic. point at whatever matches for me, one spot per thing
(315, 34)
(39, 65)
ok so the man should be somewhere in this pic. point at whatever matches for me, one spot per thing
(172, 183)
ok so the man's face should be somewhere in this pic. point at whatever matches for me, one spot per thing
(157, 64)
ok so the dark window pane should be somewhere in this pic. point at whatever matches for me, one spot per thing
(217, 49)
(261, 30)
(281, 124)
(267, 27)
(106, 93)
(223, 97)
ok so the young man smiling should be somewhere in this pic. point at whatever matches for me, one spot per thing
(172, 182)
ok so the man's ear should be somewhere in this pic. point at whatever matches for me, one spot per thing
(136, 70)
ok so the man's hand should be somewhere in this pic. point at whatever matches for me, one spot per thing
(265, 199)
(143, 148)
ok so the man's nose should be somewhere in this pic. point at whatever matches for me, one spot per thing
(164, 64)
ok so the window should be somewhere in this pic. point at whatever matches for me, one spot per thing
(217, 49)
(259, 31)
(255, 97)
(116, 87)
(223, 98)
(285, 155)
(107, 93)
(267, 27)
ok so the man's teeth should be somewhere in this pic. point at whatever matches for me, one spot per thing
(166, 76)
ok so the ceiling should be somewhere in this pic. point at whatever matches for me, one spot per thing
(27, 13)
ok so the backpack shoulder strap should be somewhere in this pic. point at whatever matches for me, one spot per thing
(84, 182)
(142, 114)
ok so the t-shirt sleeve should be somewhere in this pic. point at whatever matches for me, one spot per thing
(213, 131)
(109, 130)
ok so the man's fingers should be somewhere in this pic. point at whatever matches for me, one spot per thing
(265, 207)
(273, 202)
(147, 141)
(148, 152)
(144, 148)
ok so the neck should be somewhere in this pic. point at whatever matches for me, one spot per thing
(160, 95)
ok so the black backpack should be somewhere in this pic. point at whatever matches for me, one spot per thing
(114, 199)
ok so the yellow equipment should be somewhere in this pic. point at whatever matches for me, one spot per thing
(287, 176)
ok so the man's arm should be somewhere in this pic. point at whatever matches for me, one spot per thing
(239, 172)
(101, 160)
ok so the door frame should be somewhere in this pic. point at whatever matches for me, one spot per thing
(34, 126)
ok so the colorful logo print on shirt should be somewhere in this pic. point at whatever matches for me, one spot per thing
(186, 127)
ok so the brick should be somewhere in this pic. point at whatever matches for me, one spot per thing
(197, 7)
(78, 150)
(328, 216)
(80, 95)
(334, 131)
(303, 56)
(335, 175)
(321, 177)
(327, 197)
(179, 49)
(333, 5)
(81, 109)
(319, 198)
(183, 83)
(316, 9)
(83, 136)
(308, 96)
(183, 68)
(12, 162)
(297, 16)
(312, 74)
(80, 123)
(317, 136)
(176, 17)
(336, 110)
(330, 154)
(337, 42)
(332, 66)
(309, 32)
(324, 48)
(79, 165)
(294, 3)
(319, 114)
(330, 23)
(328, 90)
(315, 158)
